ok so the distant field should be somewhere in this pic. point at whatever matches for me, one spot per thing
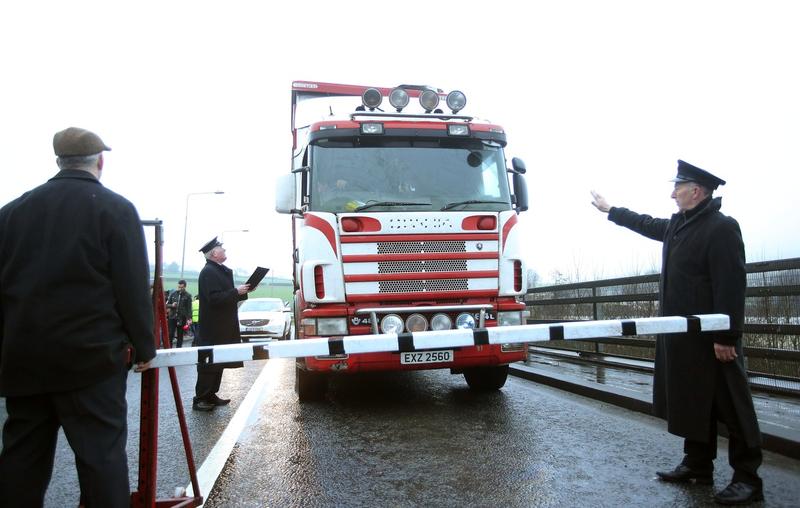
(281, 289)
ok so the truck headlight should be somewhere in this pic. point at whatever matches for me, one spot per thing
(509, 318)
(391, 323)
(441, 322)
(332, 326)
(416, 323)
(465, 320)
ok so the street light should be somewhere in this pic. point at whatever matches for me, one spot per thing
(186, 222)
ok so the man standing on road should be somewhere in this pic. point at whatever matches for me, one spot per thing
(219, 301)
(179, 305)
(700, 378)
(74, 297)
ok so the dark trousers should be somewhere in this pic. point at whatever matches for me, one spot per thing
(176, 330)
(208, 380)
(744, 460)
(95, 422)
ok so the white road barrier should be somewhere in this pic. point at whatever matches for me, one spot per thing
(418, 341)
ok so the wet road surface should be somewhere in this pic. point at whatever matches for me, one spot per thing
(423, 439)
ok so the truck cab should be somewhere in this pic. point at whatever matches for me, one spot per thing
(404, 221)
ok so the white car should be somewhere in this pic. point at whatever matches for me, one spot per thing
(264, 317)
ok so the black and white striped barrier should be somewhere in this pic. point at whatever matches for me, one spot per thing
(418, 341)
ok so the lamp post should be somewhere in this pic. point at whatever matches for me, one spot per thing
(186, 222)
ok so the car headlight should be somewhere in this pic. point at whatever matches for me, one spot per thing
(332, 326)
(441, 322)
(416, 323)
(391, 323)
(509, 318)
(465, 320)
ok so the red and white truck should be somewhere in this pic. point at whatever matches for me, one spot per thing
(403, 220)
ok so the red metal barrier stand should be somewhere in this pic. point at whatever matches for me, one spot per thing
(145, 495)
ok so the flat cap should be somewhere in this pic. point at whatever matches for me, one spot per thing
(205, 249)
(689, 173)
(73, 141)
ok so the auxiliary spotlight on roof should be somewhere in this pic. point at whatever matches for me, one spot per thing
(428, 99)
(398, 98)
(456, 100)
(371, 98)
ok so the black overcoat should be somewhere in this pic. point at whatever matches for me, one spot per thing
(703, 272)
(74, 286)
(219, 309)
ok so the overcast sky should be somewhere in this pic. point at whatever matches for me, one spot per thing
(193, 96)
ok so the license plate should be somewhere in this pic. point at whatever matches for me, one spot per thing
(426, 357)
(253, 329)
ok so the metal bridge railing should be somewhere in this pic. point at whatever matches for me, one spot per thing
(772, 318)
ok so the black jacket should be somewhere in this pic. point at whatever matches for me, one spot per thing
(219, 307)
(703, 272)
(74, 286)
(183, 309)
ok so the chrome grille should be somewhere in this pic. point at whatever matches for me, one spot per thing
(437, 265)
(420, 247)
(407, 286)
(254, 322)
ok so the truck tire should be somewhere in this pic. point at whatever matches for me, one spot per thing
(310, 386)
(486, 378)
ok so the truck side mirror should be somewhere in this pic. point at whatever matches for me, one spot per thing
(285, 194)
(520, 192)
(518, 165)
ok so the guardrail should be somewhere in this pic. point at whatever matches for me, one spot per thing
(772, 318)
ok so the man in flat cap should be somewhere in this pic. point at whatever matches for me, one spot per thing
(219, 310)
(74, 301)
(700, 377)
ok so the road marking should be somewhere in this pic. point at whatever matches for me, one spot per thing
(215, 462)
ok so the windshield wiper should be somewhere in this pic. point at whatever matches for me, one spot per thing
(389, 203)
(448, 206)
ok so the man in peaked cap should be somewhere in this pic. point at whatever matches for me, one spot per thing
(689, 173)
(700, 377)
(75, 297)
(219, 323)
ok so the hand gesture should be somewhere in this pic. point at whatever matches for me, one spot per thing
(600, 202)
(243, 289)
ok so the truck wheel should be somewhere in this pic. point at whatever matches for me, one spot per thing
(486, 378)
(310, 386)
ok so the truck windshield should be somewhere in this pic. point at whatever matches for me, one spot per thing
(404, 176)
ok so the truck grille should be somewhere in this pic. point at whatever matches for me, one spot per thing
(439, 265)
(422, 246)
(416, 286)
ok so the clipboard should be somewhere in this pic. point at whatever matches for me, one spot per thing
(256, 277)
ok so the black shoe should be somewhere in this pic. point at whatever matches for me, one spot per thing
(739, 493)
(203, 405)
(684, 474)
(219, 402)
